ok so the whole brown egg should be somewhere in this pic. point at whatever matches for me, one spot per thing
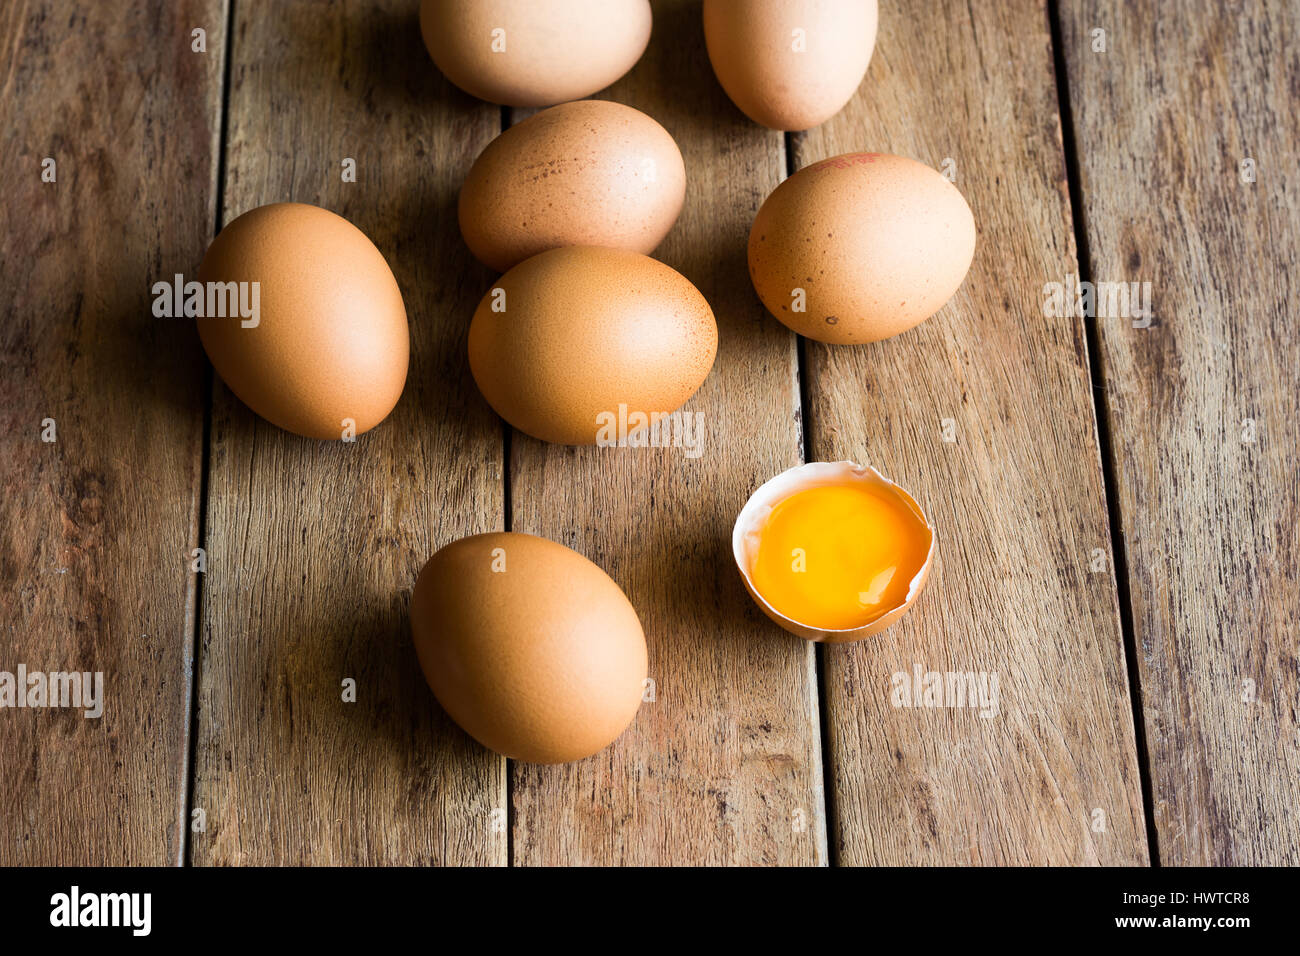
(528, 646)
(590, 173)
(572, 337)
(534, 52)
(790, 64)
(860, 247)
(326, 353)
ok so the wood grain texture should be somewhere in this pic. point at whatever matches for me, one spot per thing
(725, 765)
(314, 546)
(1203, 405)
(1017, 497)
(96, 527)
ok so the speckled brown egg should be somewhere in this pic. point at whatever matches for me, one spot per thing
(530, 647)
(591, 173)
(860, 247)
(328, 352)
(790, 64)
(566, 338)
(534, 52)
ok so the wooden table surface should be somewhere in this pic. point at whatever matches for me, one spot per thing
(1116, 502)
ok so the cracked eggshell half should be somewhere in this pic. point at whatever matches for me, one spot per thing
(748, 531)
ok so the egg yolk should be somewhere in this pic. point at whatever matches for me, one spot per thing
(839, 556)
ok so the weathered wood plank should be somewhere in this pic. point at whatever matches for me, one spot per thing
(1017, 496)
(1203, 404)
(314, 546)
(96, 527)
(725, 765)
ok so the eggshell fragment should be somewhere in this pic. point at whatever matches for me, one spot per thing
(565, 338)
(534, 52)
(790, 64)
(591, 173)
(860, 247)
(747, 532)
(331, 344)
(528, 646)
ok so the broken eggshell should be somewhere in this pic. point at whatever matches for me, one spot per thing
(753, 518)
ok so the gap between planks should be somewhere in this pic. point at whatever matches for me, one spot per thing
(1078, 212)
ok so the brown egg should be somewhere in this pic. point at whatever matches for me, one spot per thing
(591, 173)
(566, 338)
(529, 646)
(531, 53)
(860, 247)
(330, 344)
(790, 64)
